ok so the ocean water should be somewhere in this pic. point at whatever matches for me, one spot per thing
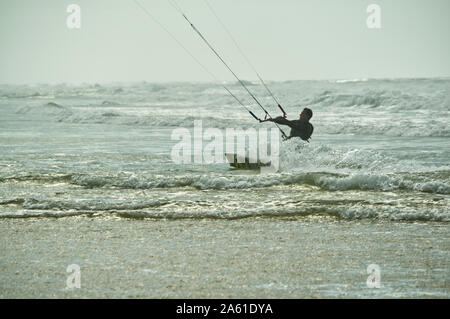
(380, 153)
(380, 150)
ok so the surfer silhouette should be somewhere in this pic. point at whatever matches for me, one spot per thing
(299, 128)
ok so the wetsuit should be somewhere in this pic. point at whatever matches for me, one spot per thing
(299, 128)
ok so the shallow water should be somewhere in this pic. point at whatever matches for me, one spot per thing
(307, 257)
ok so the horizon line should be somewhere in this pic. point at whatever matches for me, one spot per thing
(254, 81)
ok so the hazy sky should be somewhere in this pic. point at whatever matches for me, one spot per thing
(284, 39)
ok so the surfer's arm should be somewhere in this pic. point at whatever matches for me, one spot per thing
(281, 120)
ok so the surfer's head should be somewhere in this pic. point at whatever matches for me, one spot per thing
(306, 114)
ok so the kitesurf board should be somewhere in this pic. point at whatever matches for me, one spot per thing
(247, 164)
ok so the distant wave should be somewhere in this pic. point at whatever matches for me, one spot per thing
(106, 102)
(405, 107)
(54, 105)
(391, 99)
(114, 116)
(352, 80)
(72, 90)
(21, 95)
(432, 128)
(150, 121)
(48, 109)
(246, 82)
(438, 127)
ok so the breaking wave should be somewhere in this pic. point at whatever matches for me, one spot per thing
(162, 209)
(328, 181)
